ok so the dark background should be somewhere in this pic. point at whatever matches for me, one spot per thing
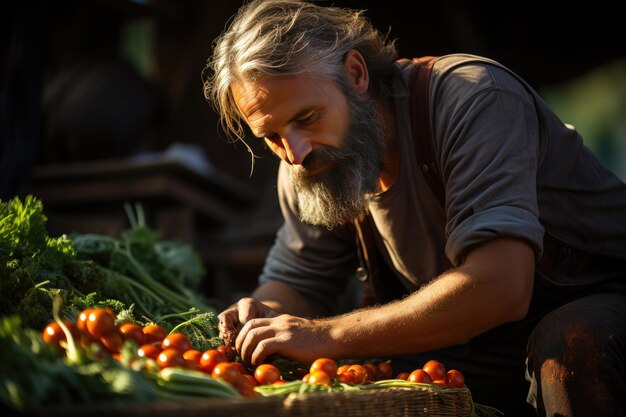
(79, 86)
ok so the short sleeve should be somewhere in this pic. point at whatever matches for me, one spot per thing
(489, 139)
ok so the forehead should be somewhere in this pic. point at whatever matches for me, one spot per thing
(272, 97)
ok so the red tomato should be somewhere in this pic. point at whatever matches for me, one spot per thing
(100, 322)
(454, 379)
(371, 371)
(326, 365)
(384, 371)
(266, 374)
(252, 380)
(149, 351)
(239, 367)
(131, 331)
(245, 385)
(228, 351)
(441, 383)
(319, 377)
(53, 334)
(81, 322)
(154, 333)
(210, 358)
(112, 342)
(226, 371)
(420, 375)
(342, 369)
(435, 369)
(170, 357)
(178, 341)
(192, 355)
(360, 373)
(403, 375)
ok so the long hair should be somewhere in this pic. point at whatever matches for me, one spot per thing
(280, 37)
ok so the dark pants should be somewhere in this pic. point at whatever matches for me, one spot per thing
(574, 343)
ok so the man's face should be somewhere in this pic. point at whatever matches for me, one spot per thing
(333, 142)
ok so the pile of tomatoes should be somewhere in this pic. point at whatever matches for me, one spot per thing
(97, 325)
(435, 372)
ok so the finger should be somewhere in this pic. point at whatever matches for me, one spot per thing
(264, 348)
(247, 310)
(228, 325)
(250, 335)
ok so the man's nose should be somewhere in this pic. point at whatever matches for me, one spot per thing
(296, 149)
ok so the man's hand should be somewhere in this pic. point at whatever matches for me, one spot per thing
(297, 338)
(231, 320)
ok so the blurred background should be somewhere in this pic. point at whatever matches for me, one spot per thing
(102, 104)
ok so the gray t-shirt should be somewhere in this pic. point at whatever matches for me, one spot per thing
(510, 168)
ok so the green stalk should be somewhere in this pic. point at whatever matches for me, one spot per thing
(175, 299)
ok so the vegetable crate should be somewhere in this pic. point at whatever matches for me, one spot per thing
(384, 402)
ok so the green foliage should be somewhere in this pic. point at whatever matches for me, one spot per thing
(23, 236)
(36, 375)
(199, 327)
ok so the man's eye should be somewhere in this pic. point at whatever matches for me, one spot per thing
(272, 137)
(309, 118)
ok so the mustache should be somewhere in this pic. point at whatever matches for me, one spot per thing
(323, 156)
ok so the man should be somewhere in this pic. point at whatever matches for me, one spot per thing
(518, 269)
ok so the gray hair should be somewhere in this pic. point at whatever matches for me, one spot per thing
(279, 37)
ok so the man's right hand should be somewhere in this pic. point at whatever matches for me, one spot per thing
(231, 320)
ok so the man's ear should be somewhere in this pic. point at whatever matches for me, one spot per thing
(356, 70)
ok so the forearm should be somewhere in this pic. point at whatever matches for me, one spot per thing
(484, 292)
(284, 299)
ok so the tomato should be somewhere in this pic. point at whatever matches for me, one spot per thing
(320, 378)
(112, 342)
(420, 375)
(81, 322)
(371, 371)
(178, 341)
(170, 357)
(154, 333)
(192, 355)
(226, 371)
(149, 351)
(326, 365)
(210, 358)
(435, 369)
(239, 367)
(53, 334)
(360, 373)
(100, 322)
(344, 377)
(252, 380)
(131, 331)
(228, 351)
(454, 379)
(403, 375)
(266, 374)
(192, 365)
(352, 376)
(306, 378)
(245, 385)
(342, 369)
(441, 383)
(384, 371)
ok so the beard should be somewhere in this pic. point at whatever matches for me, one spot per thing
(340, 193)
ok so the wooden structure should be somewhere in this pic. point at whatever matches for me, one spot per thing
(218, 215)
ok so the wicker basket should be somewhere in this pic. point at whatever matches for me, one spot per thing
(384, 402)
